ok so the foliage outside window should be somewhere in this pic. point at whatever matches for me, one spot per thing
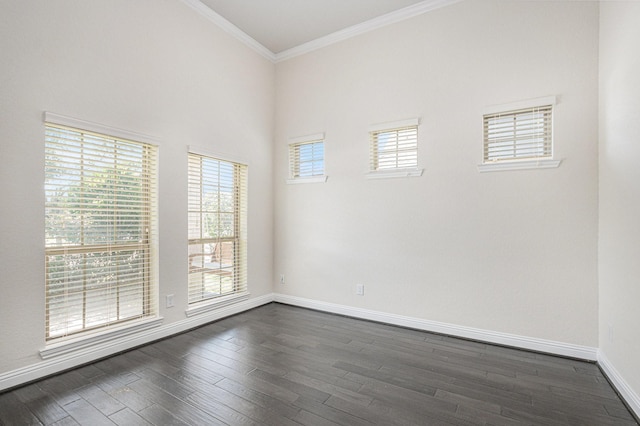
(99, 224)
(217, 258)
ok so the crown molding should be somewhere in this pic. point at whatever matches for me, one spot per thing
(228, 27)
(370, 25)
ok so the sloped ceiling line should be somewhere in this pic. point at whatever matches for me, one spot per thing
(370, 25)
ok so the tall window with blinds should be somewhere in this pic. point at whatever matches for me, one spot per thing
(100, 220)
(518, 135)
(394, 148)
(217, 228)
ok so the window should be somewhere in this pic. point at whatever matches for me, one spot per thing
(217, 228)
(394, 148)
(519, 133)
(306, 159)
(100, 224)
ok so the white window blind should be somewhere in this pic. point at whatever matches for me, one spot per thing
(217, 228)
(518, 134)
(306, 159)
(395, 147)
(100, 219)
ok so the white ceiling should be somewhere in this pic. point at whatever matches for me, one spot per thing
(282, 24)
(284, 28)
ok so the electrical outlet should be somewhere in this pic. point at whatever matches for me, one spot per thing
(360, 289)
(169, 301)
(282, 279)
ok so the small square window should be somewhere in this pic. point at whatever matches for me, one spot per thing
(306, 159)
(394, 149)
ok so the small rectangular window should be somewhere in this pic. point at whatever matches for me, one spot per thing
(518, 134)
(217, 209)
(393, 150)
(306, 159)
(100, 221)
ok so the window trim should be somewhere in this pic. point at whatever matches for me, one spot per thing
(117, 334)
(399, 172)
(210, 304)
(517, 163)
(50, 117)
(303, 140)
(79, 340)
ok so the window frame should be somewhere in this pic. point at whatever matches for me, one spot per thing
(375, 172)
(525, 162)
(294, 147)
(238, 239)
(88, 133)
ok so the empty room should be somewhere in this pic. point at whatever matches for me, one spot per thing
(394, 212)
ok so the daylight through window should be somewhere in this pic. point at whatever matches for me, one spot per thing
(217, 228)
(394, 148)
(521, 134)
(99, 223)
(306, 159)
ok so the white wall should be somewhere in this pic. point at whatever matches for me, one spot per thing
(512, 252)
(619, 243)
(149, 66)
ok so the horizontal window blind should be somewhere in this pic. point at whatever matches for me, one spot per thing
(217, 197)
(520, 134)
(395, 148)
(306, 159)
(100, 217)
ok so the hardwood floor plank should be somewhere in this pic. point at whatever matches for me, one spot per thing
(300, 389)
(221, 410)
(334, 390)
(45, 408)
(67, 421)
(260, 399)
(86, 414)
(14, 412)
(386, 378)
(157, 415)
(330, 413)
(130, 398)
(127, 417)
(372, 413)
(100, 399)
(284, 366)
(177, 407)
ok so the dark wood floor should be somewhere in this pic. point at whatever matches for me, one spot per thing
(280, 365)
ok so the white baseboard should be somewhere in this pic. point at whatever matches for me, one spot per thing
(521, 342)
(630, 397)
(68, 360)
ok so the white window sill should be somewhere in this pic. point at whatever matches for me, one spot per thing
(91, 340)
(500, 166)
(394, 173)
(314, 179)
(217, 303)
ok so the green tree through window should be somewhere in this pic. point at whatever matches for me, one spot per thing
(98, 222)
